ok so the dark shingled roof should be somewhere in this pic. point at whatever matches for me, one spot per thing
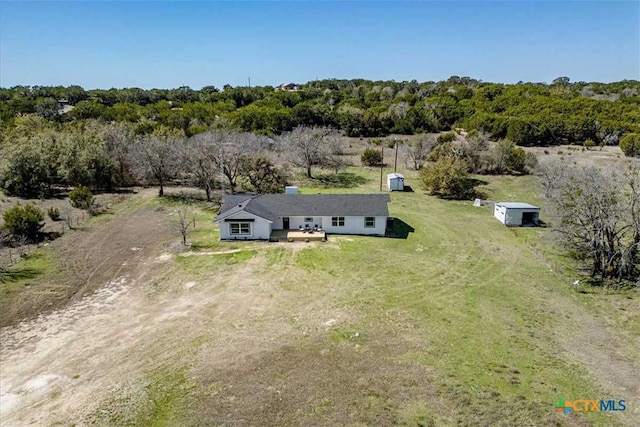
(271, 206)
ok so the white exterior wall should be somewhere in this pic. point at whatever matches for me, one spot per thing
(355, 225)
(511, 216)
(260, 228)
(395, 184)
(500, 212)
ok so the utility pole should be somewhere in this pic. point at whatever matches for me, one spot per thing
(395, 164)
(249, 82)
(221, 170)
(381, 166)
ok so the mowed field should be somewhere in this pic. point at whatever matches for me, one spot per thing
(464, 322)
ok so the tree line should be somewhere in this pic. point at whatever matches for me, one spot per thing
(36, 157)
(525, 113)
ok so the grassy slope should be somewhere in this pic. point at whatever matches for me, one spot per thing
(461, 323)
(478, 297)
(463, 296)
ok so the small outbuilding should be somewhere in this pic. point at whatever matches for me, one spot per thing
(516, 214)
(395, 182)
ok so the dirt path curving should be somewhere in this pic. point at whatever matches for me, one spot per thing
(90, 258)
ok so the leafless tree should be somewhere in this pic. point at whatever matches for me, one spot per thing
(184, 218)
(474, 151)
(118, 139)
(310, 146)
(198, 157)
(68, 218)
(416, 153)
(631, 256)
(233, 148)
(337, 163)
(597, 216)
(155, 159)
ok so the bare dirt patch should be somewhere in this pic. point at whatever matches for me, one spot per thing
(77, 217)
(609, 156)
(90, 258)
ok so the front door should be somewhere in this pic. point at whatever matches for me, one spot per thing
(285, 223)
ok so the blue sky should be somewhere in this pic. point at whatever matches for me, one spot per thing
(174, 43)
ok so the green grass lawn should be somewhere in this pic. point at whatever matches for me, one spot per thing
(463, 296)
(36, 263)
(464, 322)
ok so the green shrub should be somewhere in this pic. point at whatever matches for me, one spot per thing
(53, 213)
(446, 149)
(446, 137)
(25, 172)
(589, 143)
(630, 145)
(371, 157)
(391, 143)
(447, 178)
(81, 197)
(23, 221)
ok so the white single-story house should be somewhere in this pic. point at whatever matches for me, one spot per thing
(255, 217)
(395, 182)
(516, 213)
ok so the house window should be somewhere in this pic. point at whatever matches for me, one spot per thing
(337, 221)
(240, 228)
(369, 221)
(308, 219)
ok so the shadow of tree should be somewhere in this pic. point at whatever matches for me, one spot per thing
(475, 182)
(13, 274)
(339, 180)
(468, 191)
(398, 229)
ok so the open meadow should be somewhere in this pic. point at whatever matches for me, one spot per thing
(463, 322)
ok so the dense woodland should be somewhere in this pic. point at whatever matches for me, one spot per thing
(69, 136)
(526, 113)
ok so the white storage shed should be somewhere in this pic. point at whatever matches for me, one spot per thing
(516, 214)
(395, 182)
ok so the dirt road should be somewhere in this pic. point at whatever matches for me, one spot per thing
(89, 258)
(58, 349)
